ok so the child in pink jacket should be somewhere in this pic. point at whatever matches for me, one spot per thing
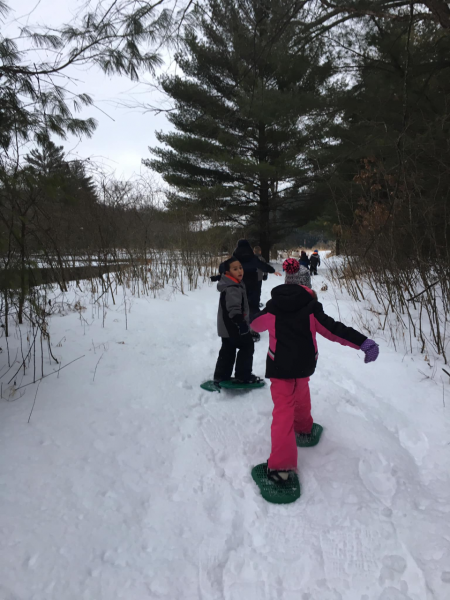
(293, 317)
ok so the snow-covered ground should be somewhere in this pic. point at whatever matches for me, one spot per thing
(130, 482)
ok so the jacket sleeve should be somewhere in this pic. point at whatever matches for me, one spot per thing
(233, 302)
(336, 331)
(261, 321)
(265, 267)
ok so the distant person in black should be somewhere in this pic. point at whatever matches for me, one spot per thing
(314, 259)
(251, 264)
(304, 260)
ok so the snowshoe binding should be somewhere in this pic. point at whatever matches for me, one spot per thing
(250, 380)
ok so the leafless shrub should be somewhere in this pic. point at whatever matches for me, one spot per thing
(120, 242)
(396, 256)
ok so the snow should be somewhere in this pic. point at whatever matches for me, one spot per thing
(130, 482)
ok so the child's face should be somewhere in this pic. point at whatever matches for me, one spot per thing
(236, 270)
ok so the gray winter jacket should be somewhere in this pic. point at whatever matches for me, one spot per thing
(233, 307)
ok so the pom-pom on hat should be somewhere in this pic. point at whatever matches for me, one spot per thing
(291, 266)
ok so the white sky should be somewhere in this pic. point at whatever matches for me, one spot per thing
(119, 144)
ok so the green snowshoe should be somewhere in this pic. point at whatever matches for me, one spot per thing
(231, 384)
(210, 386)
(283, 492)
(307, 440)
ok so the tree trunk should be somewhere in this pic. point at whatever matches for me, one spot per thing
(264, 219)
(6, 312)
(264, 199)
(22, 272)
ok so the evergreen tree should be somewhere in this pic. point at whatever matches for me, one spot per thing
(47, 158)
(63, 181)
(392, 173)
(247, 109)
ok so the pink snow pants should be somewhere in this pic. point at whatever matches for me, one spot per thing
(291, 414)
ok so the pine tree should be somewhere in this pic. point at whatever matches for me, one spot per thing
(391, 150)
(247, 108)
(47, 158)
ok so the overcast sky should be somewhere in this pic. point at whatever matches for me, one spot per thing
(122, 138)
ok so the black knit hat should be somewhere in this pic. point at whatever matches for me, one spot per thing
(244, 244)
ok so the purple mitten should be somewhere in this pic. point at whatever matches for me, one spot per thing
(370, 349)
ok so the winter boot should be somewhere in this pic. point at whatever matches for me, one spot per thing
(277, 476)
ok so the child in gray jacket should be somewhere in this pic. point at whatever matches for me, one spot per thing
(233, 327)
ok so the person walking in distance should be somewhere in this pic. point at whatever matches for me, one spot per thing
(304, 260)
(314, 260)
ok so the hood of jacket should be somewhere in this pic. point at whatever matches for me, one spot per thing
(291, 297)
(243, 251)
(225, 282)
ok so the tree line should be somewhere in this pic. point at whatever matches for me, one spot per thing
(284, 114)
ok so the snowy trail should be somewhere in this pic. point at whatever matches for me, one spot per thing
(136, 485)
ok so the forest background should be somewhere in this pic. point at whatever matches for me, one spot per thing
(287, 120)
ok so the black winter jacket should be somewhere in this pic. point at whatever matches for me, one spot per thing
(293, 317)
(315, 261)
(250, 263)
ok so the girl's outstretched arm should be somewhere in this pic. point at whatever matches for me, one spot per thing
(336, 331)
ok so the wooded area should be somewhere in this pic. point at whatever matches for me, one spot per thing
(284, 114)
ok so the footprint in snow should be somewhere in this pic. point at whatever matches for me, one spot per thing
(352, 552)
(212, 558)
(392, 593)
(376, 473)
(415, 442)
(248, 590)
(393, 568)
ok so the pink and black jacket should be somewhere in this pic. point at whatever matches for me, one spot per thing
(293, 317)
